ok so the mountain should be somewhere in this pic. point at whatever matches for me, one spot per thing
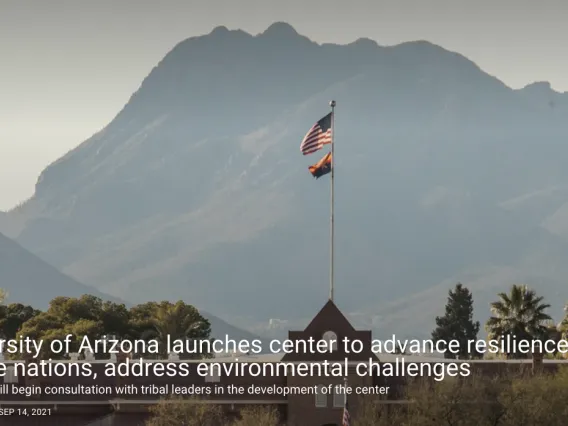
(197, 190)
(541, 94)
(221, 328)
(29, 280)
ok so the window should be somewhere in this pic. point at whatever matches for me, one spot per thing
(10, 375)
(321, 397)
(338, 397)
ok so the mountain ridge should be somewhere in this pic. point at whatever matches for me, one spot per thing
(26, 277)
(420, 45)
(198, 182)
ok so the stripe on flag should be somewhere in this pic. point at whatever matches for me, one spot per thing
(318, 136)
(346, 415)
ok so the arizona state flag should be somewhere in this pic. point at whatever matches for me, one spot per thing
(322, 167)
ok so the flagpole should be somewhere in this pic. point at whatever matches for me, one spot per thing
(346, 421)
(332, 224)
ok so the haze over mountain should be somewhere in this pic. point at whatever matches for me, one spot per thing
(197, 189)
(31, 281)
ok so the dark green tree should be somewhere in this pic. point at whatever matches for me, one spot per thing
(114, 317)
(178, 320)
(79, 316)
(457, 323)
(13, 316)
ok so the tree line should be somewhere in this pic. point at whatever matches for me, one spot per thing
(92, 317)
(520, 313)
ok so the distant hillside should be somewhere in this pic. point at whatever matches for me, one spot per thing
(30, 280)
(220, 329)
(197, 189)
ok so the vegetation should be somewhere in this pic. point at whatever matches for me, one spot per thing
(513, 400)
(563, 326)
(186, 412)
(92, 317)
(12, 318)
(508, 400)
(370, 412)
(159, 320)
(521, 313)
(257, 416)
(457, 323)
(193, 412)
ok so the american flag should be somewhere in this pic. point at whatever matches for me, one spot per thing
(346, 415)
(318, 136)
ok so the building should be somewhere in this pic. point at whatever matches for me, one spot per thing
(308, 409)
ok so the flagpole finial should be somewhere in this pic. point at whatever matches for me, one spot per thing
(332, 104)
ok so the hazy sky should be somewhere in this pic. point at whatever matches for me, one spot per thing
(67, 67)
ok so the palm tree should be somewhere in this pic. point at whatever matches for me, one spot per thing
(521, 313)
